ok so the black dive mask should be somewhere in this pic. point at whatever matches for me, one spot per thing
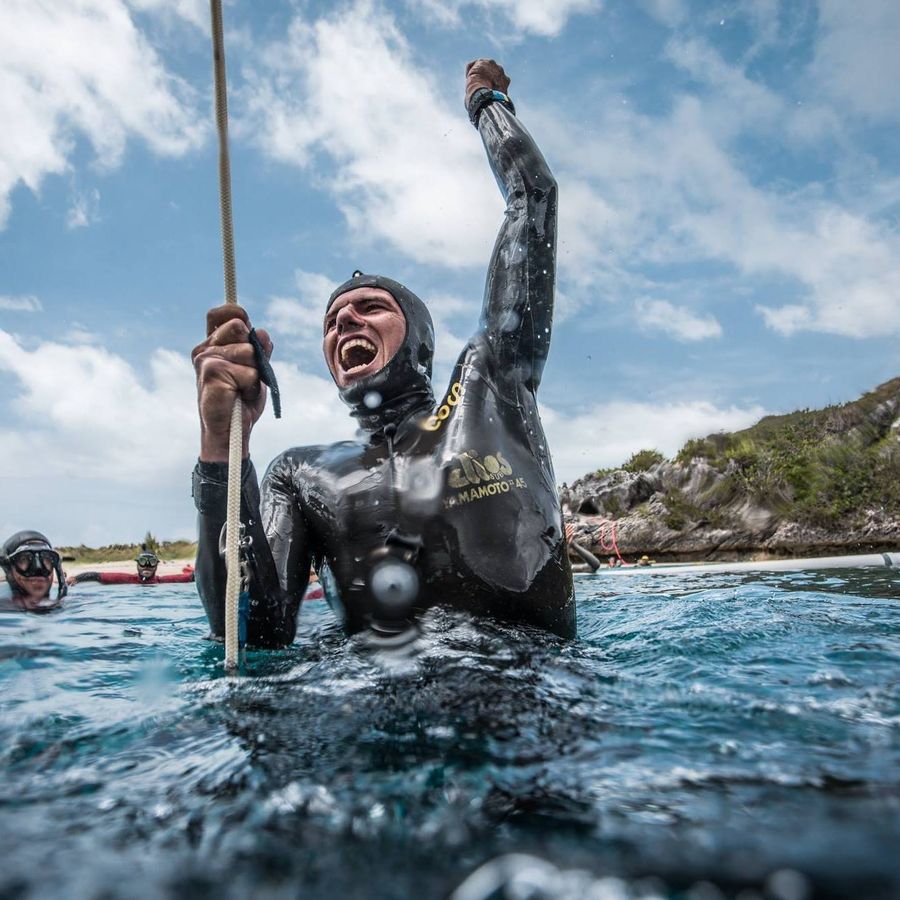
(35, 563)
(403, 386)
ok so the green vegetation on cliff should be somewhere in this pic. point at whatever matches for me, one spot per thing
(643, 461)
(812, 482)
(118, 552)
(821, 467)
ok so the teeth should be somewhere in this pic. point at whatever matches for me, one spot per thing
(356, 342)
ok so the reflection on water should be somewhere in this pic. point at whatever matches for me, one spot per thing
(707, 733)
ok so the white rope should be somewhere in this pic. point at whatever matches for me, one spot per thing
(232, 536)
(235, 437)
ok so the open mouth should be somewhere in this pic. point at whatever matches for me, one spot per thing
(356, 354)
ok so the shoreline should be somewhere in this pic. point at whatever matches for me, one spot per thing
(166, 567)
(635, 535)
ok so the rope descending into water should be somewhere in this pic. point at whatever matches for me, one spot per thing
(235, 437)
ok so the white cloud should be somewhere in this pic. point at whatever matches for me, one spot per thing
(93, 404)
(70, 70)
(84, 422)
(25, 303)
(785, 319)
(455, 320)
(299, 319)
(608, 433)
(539, 17)
(737, 99)
(194, 11)
(114, 424)
(85, 209)
(667, 12)
(653, 190)
(409, 170)
(78, 334)
(677, 191)
(80, 416)
(677, 321)
(856, 59)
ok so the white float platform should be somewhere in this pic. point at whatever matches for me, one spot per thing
(884, 560)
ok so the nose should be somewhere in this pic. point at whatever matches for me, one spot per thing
(347, 318)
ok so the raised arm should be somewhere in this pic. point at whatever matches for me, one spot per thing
(517, 314)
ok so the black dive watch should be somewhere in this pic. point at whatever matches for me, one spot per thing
(482, 97)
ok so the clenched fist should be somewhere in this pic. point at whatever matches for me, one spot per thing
(225, 365)
(485, 73)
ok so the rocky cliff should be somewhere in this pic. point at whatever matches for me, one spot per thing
(813, 482)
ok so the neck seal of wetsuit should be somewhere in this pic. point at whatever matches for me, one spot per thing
(403, 387)
(33, 541)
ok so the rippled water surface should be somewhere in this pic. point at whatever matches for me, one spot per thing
(706, 736)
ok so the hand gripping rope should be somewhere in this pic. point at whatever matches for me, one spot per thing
(233, 585)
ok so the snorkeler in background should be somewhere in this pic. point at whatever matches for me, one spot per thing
(454, 502)
(30, 564)
(147, 563)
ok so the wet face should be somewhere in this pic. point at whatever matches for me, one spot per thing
(146, 572)
(364, 328)
(32, 590)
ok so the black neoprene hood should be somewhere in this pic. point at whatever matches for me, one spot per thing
(25, 539)
(403, 386)
(32, 540)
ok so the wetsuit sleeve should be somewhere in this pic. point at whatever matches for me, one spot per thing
(87, 576)
(273, 606)
(518, 298)
(119, 578)
(107, 577)
(587, 556)
(181, 578)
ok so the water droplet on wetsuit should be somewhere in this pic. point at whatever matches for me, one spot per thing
(372, 400)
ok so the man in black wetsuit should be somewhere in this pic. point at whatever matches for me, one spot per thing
(453, 502)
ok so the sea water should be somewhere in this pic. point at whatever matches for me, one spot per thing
(705, 736)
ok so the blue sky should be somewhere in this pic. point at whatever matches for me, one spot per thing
(729, 184)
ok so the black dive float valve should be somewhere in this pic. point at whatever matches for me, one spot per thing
(393, 585)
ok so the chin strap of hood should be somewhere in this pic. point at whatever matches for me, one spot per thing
(403, 387)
